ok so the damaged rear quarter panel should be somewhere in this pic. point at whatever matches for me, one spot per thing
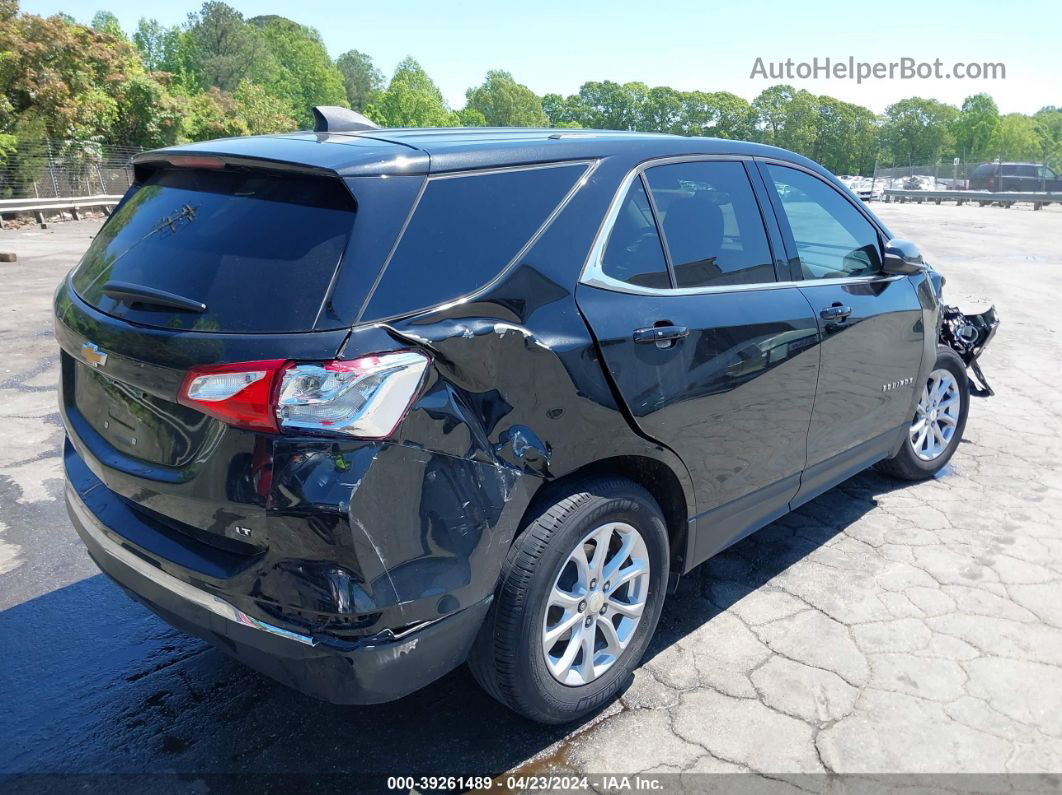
(515, 398)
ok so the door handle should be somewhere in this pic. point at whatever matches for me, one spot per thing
(836, 312)
(660, 334)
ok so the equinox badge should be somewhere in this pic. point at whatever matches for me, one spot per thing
(92, 354)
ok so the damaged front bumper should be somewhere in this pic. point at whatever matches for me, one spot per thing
(968, 335)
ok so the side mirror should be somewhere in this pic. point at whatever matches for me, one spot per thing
(902, 258)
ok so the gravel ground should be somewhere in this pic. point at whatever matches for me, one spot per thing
(883, 627)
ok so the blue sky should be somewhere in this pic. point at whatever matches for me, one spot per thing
(554, 46)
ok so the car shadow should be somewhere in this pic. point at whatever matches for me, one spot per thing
(91, 682)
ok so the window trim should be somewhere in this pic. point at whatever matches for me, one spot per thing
(589, 166)
(593, 275)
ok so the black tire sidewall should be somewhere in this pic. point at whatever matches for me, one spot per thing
(545, 696)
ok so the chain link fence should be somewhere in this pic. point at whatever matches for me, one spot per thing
(957, 174)
(47, 169)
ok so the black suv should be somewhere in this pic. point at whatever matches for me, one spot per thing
(1017, 177)
(357, 405)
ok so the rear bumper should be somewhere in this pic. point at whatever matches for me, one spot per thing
(367, 671)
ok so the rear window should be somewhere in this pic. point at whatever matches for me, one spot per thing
(258, 249)
(464, 232)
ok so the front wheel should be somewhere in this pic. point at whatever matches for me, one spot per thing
(579, 599)
(938, 422)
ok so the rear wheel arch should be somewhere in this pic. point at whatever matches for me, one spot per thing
(653, 475)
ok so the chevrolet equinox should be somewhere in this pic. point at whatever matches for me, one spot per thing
(358, 405)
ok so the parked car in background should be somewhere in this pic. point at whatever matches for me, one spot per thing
(1016, 177)
(358, 405)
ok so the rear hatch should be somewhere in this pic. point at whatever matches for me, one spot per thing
(197, 266)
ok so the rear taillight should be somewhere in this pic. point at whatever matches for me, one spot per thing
(240, 394)
(365, 397)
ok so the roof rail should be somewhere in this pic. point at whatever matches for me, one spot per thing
(332, 118)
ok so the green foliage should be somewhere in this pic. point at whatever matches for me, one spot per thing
(164, 49)
(411, 100)
(505, 103)
(360, 78)
(918, 130)
(1015, 138)
(263, 112)
(106, 22)
(975, 126)
(219, 74)
(223, 48)
(299, 71)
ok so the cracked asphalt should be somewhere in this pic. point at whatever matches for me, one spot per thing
(882, 628)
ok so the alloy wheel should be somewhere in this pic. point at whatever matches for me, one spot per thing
(936, 416)
(596, 604)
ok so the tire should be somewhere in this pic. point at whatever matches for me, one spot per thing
(509, 658)
(912, 463)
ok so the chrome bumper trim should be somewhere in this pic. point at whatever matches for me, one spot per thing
(207, 601)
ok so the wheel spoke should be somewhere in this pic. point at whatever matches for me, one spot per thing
(601, 544)
(564, 664)
(582, 567)
(621, 557)
(554, 633)
(627, 574)
(558, 597)
(586, 666)
(626, 609)
(613, 644)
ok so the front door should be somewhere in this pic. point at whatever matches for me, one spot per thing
(871, 324)
(712, 355)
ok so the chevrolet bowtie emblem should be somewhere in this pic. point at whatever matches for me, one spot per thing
(91, 353)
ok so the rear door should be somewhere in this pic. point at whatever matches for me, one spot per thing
(871, 325)
(713, 356)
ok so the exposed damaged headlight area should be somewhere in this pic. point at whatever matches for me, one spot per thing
(968, 335)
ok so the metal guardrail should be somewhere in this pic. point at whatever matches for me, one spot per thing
(71, 204)
(1038, 200)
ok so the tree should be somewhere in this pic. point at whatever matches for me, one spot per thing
(300, 71)
(106, 22)
(161, 48)
(1049, 130)
(845, 137)
(360, 77)
(214, 114)
(787, 117)
(1016, 138)
(562, 112)
(974, 127)
(149, 116)
(661, 111)
(917, 131)
(411, 100)
(263, 112)
(63, 73)
(506, 103)
(224, 48)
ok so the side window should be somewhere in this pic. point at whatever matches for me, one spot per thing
(833, 239)
(464, 232)
(711, 223)
(633, 254)
(1045, 173)
(1027, 171)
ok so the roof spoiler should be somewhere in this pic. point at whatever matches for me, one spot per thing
(332, 118)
